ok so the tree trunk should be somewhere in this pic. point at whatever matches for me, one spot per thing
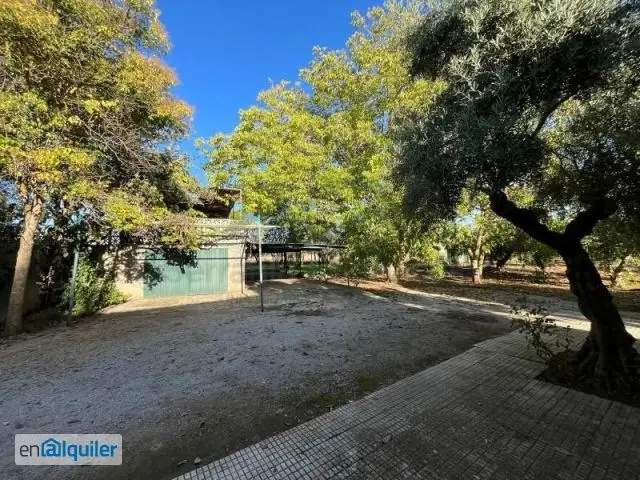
(503, 259)
(477, 265)
(615, 273)
(32, 212)
(392, 275)
(476, 254)
(608, 352)
(401, 268)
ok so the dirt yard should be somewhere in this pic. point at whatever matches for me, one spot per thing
(518, 280)
(192, 380)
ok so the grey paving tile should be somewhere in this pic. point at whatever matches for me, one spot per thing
(480, 415)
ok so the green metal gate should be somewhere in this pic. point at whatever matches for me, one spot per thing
(207, 273)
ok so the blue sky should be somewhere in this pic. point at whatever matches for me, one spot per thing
(225, 52)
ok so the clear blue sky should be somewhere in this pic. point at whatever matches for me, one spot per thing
(225, 52)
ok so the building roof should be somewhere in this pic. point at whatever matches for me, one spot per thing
(294, 247)
(217, 202)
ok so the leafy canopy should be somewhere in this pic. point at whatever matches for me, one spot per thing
(532, 88)
(86, 108)
(316, 156)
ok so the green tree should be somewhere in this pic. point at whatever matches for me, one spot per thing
(85, 104)
(476, 230)
(279, 156)
(8, 237)
(615, 243)
(534, 87)
(379, 233)
(316, 156)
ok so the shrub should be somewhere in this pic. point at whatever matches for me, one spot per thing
(433, 269)
(541, 332)
(94, 290)
(437, 271)
(353, 267)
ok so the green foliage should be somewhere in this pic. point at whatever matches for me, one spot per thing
(350, 267)
(537, 253)
(614, 244)
(532, 88)
(540, 254)
(316, 156)
(476, 229)
(88, 125)
(380, 232)
(432, 267)
(540, 331)
(94, 290)
(9, 232)
(85, 108)
(628, 277)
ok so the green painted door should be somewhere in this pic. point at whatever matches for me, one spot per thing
(206, 273)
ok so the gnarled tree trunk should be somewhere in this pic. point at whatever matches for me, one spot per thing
(32, 213)
(608, 352)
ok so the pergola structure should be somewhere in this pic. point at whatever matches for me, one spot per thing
(252, 233)
(254, 236)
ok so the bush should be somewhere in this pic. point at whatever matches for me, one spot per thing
(437, 271)
(353, 267)
(541, 332)
(433, 269)
(94, 290)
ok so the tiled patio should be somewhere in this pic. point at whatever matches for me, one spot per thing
(479, 415)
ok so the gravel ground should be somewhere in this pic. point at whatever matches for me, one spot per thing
(184, 381)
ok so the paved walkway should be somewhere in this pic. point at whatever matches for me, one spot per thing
(479, 415)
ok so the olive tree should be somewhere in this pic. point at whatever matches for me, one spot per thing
(476, 231)
(538, 93)
(615, 244)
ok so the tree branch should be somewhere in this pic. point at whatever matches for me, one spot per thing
(548, 112)
(585, 221)
(527, 219)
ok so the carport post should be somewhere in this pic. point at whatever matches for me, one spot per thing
(260, 263)
(72, 289)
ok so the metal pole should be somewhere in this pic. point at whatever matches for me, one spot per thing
(260, 263)
(72, 290)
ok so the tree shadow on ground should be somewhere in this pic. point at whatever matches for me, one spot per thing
(509, 285)
(231, 419)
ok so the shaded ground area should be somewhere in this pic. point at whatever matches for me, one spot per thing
(479, 415)
(204, 379)
(563, 371)
(515, 281)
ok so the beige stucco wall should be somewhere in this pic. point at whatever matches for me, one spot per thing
(129, 270)
(236, 266)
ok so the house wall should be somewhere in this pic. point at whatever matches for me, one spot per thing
(129, 267)
(236, 266)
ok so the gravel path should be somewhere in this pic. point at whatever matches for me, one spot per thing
(188, 380)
